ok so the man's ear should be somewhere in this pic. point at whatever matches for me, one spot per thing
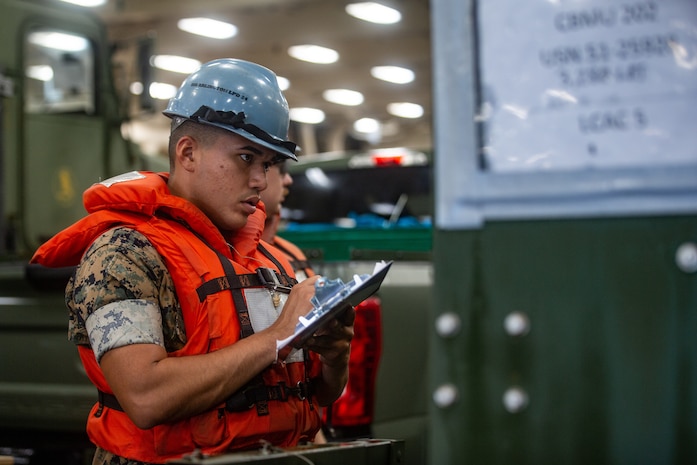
(185, 151)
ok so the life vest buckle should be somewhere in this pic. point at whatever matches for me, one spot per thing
(269, 278)
(301, 390)
(278, 392)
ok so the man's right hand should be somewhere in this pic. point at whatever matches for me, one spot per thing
(298, 304)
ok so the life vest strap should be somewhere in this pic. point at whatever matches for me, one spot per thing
(107, 400)
(264, 277)
(241, 401)
(246, 398)
(296, 262)
(300, 264)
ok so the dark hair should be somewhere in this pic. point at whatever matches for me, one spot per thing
(204, 134)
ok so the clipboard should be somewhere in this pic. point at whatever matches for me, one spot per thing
(331, 299)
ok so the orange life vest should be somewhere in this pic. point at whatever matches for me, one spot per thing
(351, 415)
(297, 258)
(141, 201)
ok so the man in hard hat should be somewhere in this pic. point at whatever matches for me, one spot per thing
(279, 182)
(176, 306)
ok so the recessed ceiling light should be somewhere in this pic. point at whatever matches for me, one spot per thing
(58, 41)
(283, 83)
(366, 125)
(405, 109)
(343, 96)
(40, 72)
(136, 88)
(313, 53)
(374, 12)
(175, 63)
(208, 27)
(162, 91)
(87, 3)
(307, 115)
(394, 74)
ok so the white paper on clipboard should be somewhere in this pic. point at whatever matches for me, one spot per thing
(331, 298)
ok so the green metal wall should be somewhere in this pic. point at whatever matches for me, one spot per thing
(609, 364)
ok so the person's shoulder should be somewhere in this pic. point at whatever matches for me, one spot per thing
(124, 243)
(122, 238)
(289, 248)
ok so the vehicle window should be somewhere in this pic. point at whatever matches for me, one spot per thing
(59, 72)
(363, 197)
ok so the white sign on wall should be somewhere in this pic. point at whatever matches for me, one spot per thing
(587, 84)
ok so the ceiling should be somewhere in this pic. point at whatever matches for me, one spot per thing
(266, 28)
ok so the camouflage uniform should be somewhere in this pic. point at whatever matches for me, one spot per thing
(122, 271)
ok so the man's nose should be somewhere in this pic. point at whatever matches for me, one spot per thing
(257, 177)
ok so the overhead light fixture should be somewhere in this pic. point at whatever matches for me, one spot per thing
(307, 115)
(87, 3)
(40, 72)
(207, 27)
(343, 96)
(162, 91)
(58, 41)
(374, 12)
(175, 63)
(136, 88)
(368, 129)
(394, 74)
(366, 125)
(405, 110)
(283, 83)
(313, 53)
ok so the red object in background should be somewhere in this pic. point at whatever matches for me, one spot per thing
(353, 410)
(388, 160)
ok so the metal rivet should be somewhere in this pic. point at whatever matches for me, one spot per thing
(448, 324)
(445, 395)
(516, 324)
(686, 257)
(515, 399)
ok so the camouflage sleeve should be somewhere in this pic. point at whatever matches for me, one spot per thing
(123, 323)
(120, 283)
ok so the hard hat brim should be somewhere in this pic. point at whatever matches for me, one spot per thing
(252, 138)
(278, 148)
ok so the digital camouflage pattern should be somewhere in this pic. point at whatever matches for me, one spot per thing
(124, 323)
(122, 265)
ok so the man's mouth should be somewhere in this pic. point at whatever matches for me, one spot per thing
(251, 202)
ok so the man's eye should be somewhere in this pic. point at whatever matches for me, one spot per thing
(267, 166)
(247, 157)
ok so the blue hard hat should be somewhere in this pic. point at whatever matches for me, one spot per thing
(239, 96)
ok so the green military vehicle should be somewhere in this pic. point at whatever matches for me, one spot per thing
(60, 131)
(565, 233)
